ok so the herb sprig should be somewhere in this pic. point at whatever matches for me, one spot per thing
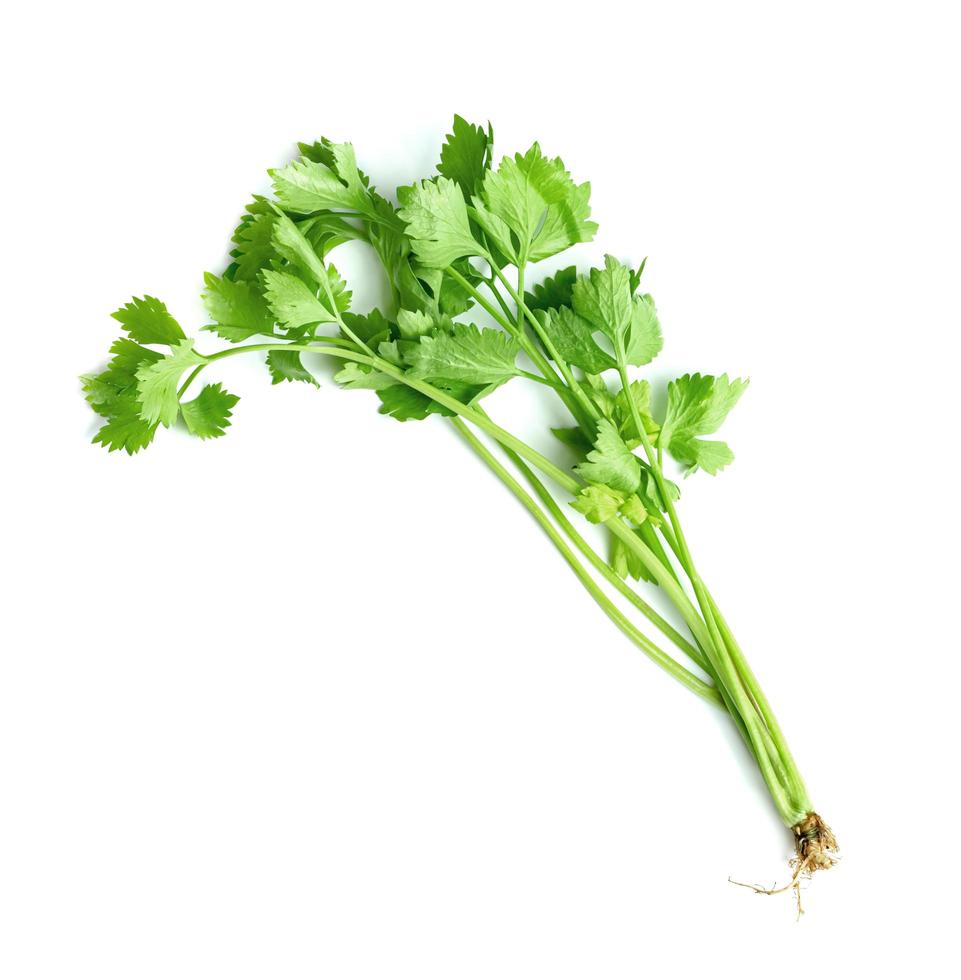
(466, 238)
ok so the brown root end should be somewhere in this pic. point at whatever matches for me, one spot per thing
(817, 850)
(817, 847)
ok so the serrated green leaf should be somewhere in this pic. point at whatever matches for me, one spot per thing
(293, 303)
(481, 357)
(113, 395)
(438, 224)
(598, 503)
(236, 307)
(414, 324)
(533, 199)
(286, 365)
(610, 462)
(465, 156)
(709, 455)
(291, 243)
(325, 231)
(148, 321)
(603, 298)
(697, 406)
(320, 151)
(573, 338)
(626, 563)
(574, 438)
(254, 245)
(600, 393)
(603, 302)
(236, 335)
(650, 493)
(208, 415)
(306, 186)
(120, 375)
(497, 231)
(406, 405)
(371, 328)
(565, 224)
(354, 375)
(634, 510)
(158, 383)
(345, 166)
(297, 249)
(624, 417)
(126, 430)
(554, 292)
(644, 340)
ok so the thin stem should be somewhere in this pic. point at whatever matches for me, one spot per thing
(795, 782)
(582, 415)
(662, 659)
(725, 660)
(190, 377)
(505, 438)
(491, 284)
(586, 403)
(556, 385)
(603, 568)
(482, 301)
(520, 292)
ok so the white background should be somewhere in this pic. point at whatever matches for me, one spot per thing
(317, 699)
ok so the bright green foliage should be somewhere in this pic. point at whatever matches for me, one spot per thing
(626, 563)
(640, 394)
(293, 246)
(148, 322)
(610, 462)
(407, 405)
(304, 262)
(306, 186)
(158, 382)
(598, 503)
(126, 430)
(414, 324)
(293, 303)
(466, 155)
(465, 354)
(600, 394)
(281, 287)
(573, 337)
(605, 300)
(208, 415)
(113, 395)
(238, 310)
(353, 375)
(602, 302)
(634, 510)
(371, 328)
(127, 357)
(554, 292)
(437, 222)
(532, 209)
(644, 340)
(697, 406)
(253, 241)
(574, 438)
(286, 365)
